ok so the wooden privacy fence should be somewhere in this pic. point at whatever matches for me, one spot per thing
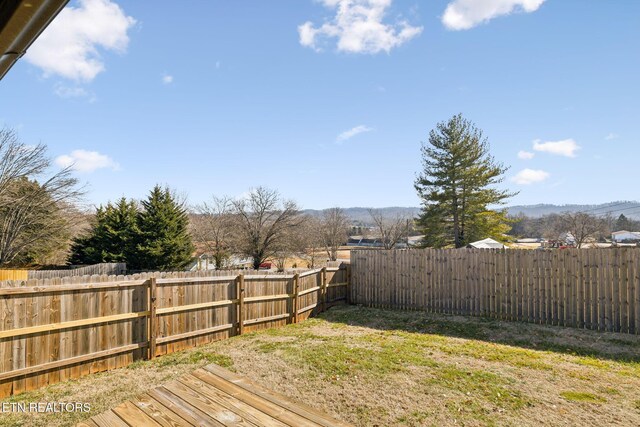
(105, 268)
(68, 328)
(6, 274)
(583, 288)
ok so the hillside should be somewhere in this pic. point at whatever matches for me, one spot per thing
(361, 215)
(631, 209)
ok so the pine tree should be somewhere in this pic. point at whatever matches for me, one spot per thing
(623, 223)
(456, 187)
(113, 237)
(164, 239)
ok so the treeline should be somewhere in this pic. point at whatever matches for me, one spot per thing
(159, 233)
(41, 223)
(458, 187)
(581, 225)
(264, 226)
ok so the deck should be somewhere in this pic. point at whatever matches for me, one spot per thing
(211, 396)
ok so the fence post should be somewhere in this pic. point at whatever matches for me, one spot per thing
(323, 289)
(296, 284)
(240, 298)
(153, 318)
(348, 280)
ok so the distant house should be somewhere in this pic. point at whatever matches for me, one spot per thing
(363, 241)
(372, 242)
(486, 244)
(625, 236)
(567, 238)
(206, 262)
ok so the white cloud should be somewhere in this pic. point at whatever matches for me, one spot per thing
(611, 136)
(86, 161)
(525, 155)
(466, 14)
(530, 176)
(358, 27)
(566, 147)
(167, 79)
(348, 134)
(69, 45)
(64, 91)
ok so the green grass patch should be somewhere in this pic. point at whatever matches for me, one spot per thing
(592, 362)
(479, 386)
(514, 356)
(578, 396)
(610, 390)
(193, 358)
(414, 322)
(536, 338)
(338, 357)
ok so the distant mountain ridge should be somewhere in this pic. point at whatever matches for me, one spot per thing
(361, 215)
(630, 209)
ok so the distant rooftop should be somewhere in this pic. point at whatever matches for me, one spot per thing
(486, 244)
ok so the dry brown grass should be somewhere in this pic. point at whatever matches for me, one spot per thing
(385, 367)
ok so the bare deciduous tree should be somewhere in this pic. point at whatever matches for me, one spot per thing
(35, 217)
(292, 244)
(312, 238)
(334, 227)
(582, 226)
(212, 226)
(18, 160)
(261, 223)
(391, 230)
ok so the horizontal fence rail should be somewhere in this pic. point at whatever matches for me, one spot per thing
(62, 328)
(584, 288)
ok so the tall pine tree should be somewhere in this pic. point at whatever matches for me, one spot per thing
(164, 239)
(456, 187)
(113, 237)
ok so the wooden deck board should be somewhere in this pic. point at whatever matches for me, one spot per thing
(214, 397)
(109, 419)
(160, 413)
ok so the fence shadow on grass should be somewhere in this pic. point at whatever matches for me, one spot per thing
(563, 340)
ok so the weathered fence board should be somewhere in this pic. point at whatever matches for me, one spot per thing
(583, 288)
(56, 329)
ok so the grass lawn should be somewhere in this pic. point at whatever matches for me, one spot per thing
(385, 367)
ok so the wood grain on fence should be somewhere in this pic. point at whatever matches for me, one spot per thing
(63, 328)
(583, 288)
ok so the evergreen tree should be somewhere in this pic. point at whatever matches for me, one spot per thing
(164, 239)
(456, 187)
(113, 237)
(623, 223)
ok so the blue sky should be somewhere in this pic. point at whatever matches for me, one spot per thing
(328, 100)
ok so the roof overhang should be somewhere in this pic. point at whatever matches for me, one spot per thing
(21, 22)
